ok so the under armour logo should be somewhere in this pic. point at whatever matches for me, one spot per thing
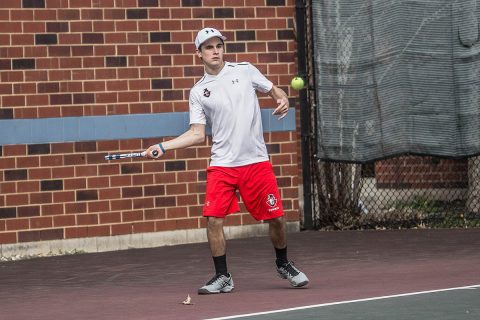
(271, 200)
(211, 30)
(206, 93)
(234, 81)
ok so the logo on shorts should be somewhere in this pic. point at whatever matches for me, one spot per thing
(271, 200)
(206, 93)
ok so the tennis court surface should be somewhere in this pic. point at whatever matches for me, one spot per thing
(401, 274)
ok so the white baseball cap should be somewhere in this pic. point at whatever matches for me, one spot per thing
(205, 34)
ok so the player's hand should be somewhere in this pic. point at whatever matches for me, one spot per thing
(153, 152)
(282, 108)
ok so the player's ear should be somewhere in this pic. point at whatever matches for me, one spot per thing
(199, 52)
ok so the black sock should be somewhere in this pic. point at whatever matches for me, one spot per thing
(220, 263)
(281, 256)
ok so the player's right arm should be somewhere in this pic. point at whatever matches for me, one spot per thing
(193, 136)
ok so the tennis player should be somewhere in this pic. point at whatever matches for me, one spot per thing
(225, 98)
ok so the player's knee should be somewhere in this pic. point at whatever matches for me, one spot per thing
(276, 222)
(214, 223)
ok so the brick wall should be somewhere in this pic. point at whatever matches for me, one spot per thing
(111, 57)
(421, 172)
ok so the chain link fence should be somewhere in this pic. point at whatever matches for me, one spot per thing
(400, 192)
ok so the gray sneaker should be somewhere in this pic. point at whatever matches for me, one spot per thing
(219, 283)
(296, 277)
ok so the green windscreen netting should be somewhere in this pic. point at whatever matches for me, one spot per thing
(396, 77)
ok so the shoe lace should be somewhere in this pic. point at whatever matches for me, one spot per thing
(216, 278)
(289, 267)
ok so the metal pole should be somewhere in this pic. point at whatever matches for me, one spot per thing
(304, 117)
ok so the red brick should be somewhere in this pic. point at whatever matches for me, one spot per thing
(200, 164)
(10, 27)
(256, 24)
(248, 219)
(28, 162)
(16, 199)
(195, 211)
(6, 88)
(233, 220)
(98, 206)
(8, 187)
(98, 182)
(41, 197)
(191, 223)
(178, 212)
(12, 76)
(103, 26)
(141, 227)
(155, 214)
(41, 222)
(143, 203)
(187, 200)
(115, 38)
(72, 208)
(28, 186)
(50, 112)
(87, 219)
(129, 216)
(174, 189)
(18, 224)
(281, 159)
(14, 101)
(165, 225)
(76, 232)
(62, 147)
(123, 204)
(51, 161)
(63, 172)
(107, 145)
(8, 237)
(86, 171)
(110, 193)
(73, 184)
(110, 217)
(159, 13)
(64, 221)
(98, 231)
(114, 14)
(289, 193)
(118, 229)
(196, 187)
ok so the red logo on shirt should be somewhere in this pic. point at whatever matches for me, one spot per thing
(206, 93)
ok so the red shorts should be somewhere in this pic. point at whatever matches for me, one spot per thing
(256, 184)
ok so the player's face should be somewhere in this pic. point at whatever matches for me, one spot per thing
(211, 53)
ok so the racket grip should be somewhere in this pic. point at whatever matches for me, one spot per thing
(155, 153)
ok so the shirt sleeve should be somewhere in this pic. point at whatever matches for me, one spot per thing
(259, 81)
(197, 115)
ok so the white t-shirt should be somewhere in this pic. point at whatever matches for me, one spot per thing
(228, 102)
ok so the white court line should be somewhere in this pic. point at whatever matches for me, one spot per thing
(476, 286)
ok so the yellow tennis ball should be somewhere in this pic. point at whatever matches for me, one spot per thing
(297, 83)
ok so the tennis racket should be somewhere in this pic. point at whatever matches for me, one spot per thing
(129, 155)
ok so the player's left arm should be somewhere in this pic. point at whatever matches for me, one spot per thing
(281, 98)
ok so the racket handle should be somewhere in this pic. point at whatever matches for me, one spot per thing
(155, 153)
